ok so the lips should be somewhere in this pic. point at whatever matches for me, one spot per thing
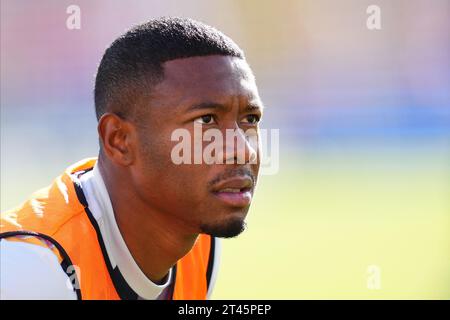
(235, 192)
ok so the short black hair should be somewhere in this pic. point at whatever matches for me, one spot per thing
(133, 62)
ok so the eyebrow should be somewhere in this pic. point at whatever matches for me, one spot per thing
(207, 105)
(219, 106)
(254, 107)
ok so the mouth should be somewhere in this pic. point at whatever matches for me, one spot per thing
(235, 192)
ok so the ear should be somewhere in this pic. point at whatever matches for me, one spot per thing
(118, 137)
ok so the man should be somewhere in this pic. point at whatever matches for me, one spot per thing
(133, 224)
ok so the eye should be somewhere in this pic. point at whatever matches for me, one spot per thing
(252, 119)
(206, 119)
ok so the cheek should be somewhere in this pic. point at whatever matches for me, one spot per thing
(172, 186)
(166, 184)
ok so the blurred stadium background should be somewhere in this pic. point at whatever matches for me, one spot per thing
(364, 119)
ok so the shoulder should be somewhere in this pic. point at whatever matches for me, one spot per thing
(29, 271)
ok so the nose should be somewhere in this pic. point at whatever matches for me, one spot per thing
(241, 146)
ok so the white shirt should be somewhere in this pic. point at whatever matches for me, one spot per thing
(29, 271)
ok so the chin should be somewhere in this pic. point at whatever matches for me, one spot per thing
(228, 228)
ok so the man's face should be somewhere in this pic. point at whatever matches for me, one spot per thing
(216, 92)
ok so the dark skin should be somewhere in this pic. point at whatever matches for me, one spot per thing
(160, 207)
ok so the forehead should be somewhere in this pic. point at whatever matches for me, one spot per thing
(209, 78)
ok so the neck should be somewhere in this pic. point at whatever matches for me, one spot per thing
(155, 239)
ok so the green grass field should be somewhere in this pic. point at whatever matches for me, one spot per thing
(316, 227)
